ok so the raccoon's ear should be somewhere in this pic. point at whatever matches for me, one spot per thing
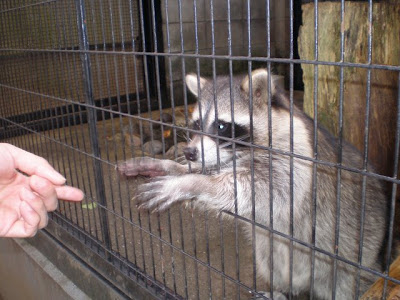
(259, 81)
(193, 84)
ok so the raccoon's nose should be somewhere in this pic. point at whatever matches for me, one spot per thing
(190, 153)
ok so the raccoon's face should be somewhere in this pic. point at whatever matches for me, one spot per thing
(213, 140)
(219, 121)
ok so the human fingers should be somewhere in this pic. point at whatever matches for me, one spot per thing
(69, 193)
(37, 204)
(46, 191)
(27, 225)
(7, 170)
(49, 192)
(32, 164)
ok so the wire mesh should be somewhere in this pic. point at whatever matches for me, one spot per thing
(87, 84)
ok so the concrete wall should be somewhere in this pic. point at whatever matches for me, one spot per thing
(39, 268)
(181, 35)
(26, 273)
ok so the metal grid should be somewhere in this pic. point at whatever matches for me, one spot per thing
(40, 53)
(65, 61)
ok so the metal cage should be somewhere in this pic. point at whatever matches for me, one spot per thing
(87, 84)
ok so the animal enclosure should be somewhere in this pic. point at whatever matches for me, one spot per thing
(89, 85)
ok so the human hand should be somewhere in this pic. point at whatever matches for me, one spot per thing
(26, 198)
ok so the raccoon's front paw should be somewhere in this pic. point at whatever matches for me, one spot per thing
(145, 166)
(160, 193)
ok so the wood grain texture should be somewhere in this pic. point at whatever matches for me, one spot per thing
(393, 290)
(384, 84)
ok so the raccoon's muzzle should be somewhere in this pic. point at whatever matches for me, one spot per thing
(190, 153)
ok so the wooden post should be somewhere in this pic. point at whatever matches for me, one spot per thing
(384, 83)
(383, 86)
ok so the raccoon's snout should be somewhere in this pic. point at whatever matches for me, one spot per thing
(190, 153)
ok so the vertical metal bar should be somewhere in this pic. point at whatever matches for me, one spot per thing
(146, 75)
(214, 76)
(160, 107)
(108, 19)
(251, 113)
(118, 96)
(196, 36)
(202, 155)
(72, 182)
(183, 70)
(39, 148)
(85, 174)
(233, 146)
(217, 141)
(68, 40)
(340, 146)
(61, 91)
(171, 87)
(32, 88)
(29, 86)
(42, 112)
(315, 150)
(11, 72)
(140, 16)
(366, 142)
(57, 45)
(73, 121)
(393, 192)
(92, 118)
(157, 69)
(136, 85)
(134, 49)
(270, 167)
(291, 75)
(74, 94)
(18, 108)
(143, 75)
(127, 95)
(100, 84)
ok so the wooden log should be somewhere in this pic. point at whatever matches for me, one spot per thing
(384, 83)
(392, 290)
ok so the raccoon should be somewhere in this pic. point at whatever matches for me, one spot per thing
(224, 173)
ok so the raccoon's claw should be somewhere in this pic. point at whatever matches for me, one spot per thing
(159, 194)
(151, 201)
(145, 166)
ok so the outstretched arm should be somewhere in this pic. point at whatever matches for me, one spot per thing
(173, 183)
(147, 166)
(214, 192)
(29, 188)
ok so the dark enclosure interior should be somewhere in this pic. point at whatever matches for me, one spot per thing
(89, 83)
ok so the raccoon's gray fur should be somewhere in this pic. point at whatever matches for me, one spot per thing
(214, 188)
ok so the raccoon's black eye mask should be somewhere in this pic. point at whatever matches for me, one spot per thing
(224, 129)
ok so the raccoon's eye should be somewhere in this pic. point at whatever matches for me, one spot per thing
(223, 128)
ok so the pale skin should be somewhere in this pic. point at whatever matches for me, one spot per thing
(26, 198)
